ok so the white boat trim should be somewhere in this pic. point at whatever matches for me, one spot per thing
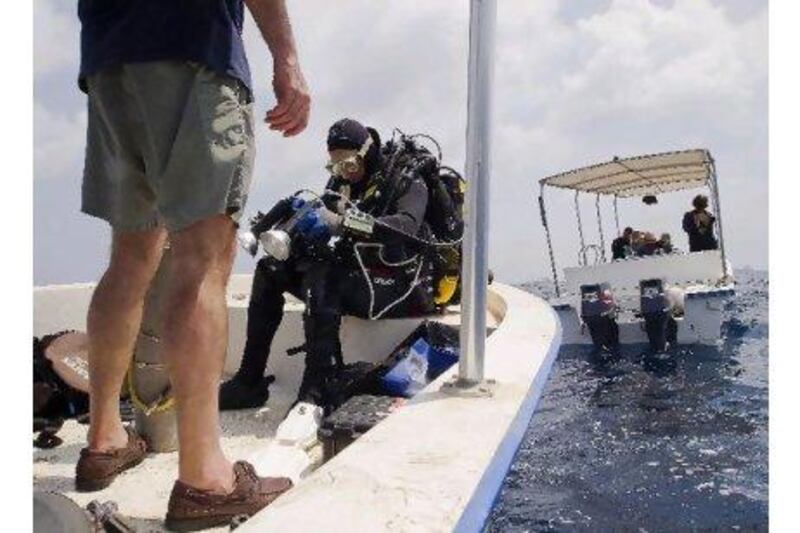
(444, 478)
(486, 493)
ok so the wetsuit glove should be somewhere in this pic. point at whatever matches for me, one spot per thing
(331, 219)
(313, 227)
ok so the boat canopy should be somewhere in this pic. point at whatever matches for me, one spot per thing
(641, 175)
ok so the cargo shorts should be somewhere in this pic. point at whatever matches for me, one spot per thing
(168, 143)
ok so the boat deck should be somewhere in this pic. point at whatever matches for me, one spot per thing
(142, 493)
(424, 468)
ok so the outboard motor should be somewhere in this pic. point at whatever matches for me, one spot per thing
(657, 311)
(599, 313)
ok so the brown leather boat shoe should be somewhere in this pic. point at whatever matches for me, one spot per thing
(96, 470)
(190, 509)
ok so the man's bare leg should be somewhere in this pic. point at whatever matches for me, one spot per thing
(115, 314)
(194, 342)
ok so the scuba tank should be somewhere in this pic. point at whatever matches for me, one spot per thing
(443, 214)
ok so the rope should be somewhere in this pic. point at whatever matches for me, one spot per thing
(163, 403)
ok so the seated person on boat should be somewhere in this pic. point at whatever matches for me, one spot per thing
(633, 243)
(375, 269)
(620, 247)
(665, 244)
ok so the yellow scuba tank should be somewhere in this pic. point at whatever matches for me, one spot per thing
(447, 284)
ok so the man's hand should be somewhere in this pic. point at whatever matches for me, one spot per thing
(290, 115)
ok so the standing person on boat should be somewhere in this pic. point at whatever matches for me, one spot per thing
(335, 284)
(699, 226)
(169, 152)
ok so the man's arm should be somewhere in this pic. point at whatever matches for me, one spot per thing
(290, 115)
(409, 215)
(688, 223)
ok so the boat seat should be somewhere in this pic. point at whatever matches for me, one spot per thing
(375, 338)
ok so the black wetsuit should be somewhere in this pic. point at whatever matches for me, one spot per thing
(618, 247)
(699, 225)
(333, 284)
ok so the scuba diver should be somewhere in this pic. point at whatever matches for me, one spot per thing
(361, 249)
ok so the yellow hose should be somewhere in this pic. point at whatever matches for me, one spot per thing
(163, 403)
(445, 290)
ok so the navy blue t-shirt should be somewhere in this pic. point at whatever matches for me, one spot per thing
(129, 31)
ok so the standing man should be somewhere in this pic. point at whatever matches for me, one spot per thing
(699, 226)
(169, 152)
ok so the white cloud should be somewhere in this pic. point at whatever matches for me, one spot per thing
(572, 88)
(59, 140)
(634, 78)
(55, 37)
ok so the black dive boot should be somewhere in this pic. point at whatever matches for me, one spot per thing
(316, 388)
(249, 388)
(238, 393)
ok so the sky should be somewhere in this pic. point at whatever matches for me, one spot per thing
(576, 83)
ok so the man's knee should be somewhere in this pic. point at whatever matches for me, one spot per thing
(135, 257)
(271, 280)
(203, 251)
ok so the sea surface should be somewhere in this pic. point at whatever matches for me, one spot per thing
(643, 442)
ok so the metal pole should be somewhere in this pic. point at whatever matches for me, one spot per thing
(543, 213)
(600, 229)
(580, 231)
(616, 215)
(715, 195)
(475, 245)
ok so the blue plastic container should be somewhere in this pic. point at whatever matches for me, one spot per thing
(422, 364)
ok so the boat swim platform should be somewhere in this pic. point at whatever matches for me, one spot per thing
(435, 464)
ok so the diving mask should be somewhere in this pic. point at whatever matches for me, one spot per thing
(349, 165)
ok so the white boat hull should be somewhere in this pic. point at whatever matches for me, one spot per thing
(701, 322)
(698, 278)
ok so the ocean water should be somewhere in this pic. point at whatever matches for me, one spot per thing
(637, 442)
